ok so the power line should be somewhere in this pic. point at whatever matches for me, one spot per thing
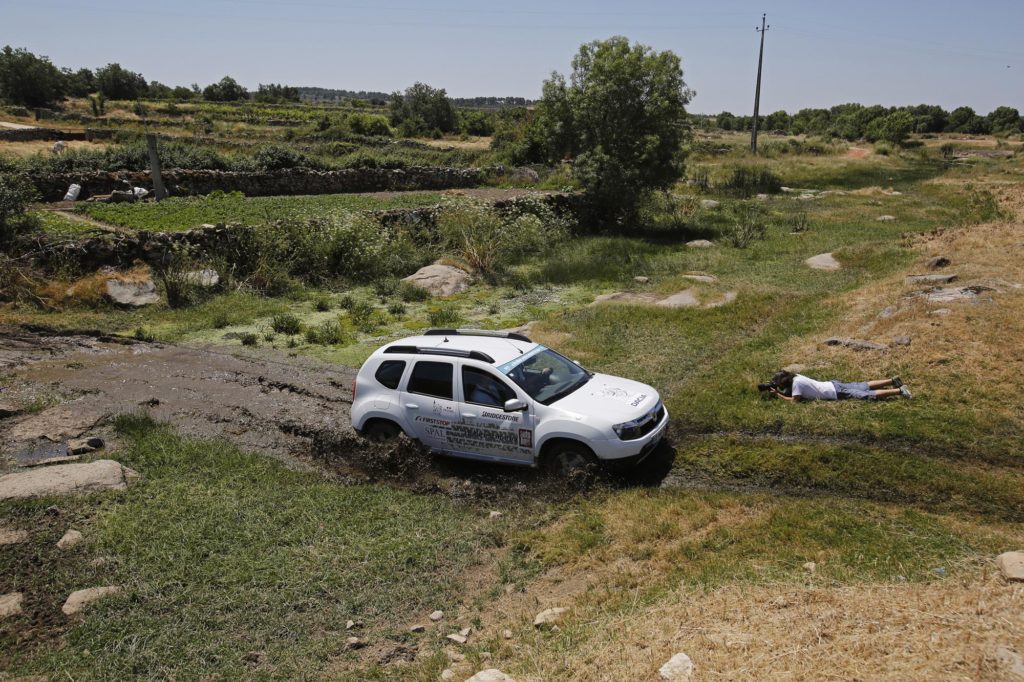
(757, 91)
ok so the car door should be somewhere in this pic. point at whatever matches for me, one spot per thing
(485, 428)
(429, 403)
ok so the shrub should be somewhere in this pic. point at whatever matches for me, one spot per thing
(444, 316)
(800, 222)
(175, 277)
(346, 302)
(142, 334)
(322, 304)
(329, 333)
(749, 223)
(747, 181)
(278, 157)
(361, 314)
(285, 323)
(397, 310)
(16, 191)
(410, 293)
(249, 339)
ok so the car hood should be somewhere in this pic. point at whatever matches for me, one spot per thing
(609, 398)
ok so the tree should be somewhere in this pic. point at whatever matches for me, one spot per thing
(621, 118)
(158, 90)
(726, 121)
(181, 92)
(116, 82)
(28, 80)
(1004, 120)
(79, 83)
(226, 90)
(893, 128)
(421, 110)
(273, 93)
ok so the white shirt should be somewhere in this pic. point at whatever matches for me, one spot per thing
(809, 389)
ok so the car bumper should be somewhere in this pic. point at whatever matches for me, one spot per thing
(625, 453)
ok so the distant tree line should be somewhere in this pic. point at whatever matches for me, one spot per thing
(857, 121)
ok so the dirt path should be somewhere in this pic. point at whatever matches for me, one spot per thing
(268, 403)
(79, 218)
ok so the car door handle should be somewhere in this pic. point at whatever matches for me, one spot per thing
(412, 406)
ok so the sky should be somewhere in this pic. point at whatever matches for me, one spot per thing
(817, 53)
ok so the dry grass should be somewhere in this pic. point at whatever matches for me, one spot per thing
(473, 143)
(90, 290)
(23, 149)
(924, 632)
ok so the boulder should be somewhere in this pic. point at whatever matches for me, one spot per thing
(66, 479)
(823, 261)
(885, 218)
(709, 203)
(627, 297)
(457, 638)
(953, 294)
(41, 453)
(699, 244)
(70, 539)
(440, 280)
(12, 536)
(900, 341)
(79, 600)
(490, 675)
(10, 604)
(931, 279)
(8, 410)
(855, 344)
(80, 446)
(549, 617)
(942, 312)
(698, 276)
(937, 262)
(679, 667)
(1011, 565)
(640, 279)
(205, 278)
(681, 299)
(436, 616)
(56, 423)
(131, 294)
(354, 643)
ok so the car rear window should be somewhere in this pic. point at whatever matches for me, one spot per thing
(390, 373)
(432, 378)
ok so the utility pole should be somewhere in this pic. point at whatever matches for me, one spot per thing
(757, 91)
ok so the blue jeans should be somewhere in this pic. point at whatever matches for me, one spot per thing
(855, 389)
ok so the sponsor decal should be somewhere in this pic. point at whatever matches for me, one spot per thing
(512, 364)
(500, 415)
(525, 438)
(436, 422)
(639, 399)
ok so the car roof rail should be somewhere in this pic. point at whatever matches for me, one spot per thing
(449, 352)
(515, 336)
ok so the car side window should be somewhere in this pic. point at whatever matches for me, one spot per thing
(432, 378)
(390, 373)
(483, 388)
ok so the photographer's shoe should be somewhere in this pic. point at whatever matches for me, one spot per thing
(896, 382)
(904, 392)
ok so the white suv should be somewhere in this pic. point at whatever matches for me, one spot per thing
(497, 396)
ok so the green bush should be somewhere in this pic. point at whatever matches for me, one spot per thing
(410, 293)
(747, 181)
(329, 333)
(397, 310)
(444, 316)
(322, 304)
(749, 223)
(249, 339)
(16, 191)
(361, 313)
(285, 323)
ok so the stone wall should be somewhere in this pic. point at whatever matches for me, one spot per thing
(270, 183)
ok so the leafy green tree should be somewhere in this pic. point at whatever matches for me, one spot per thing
(273, 93)
(227, 89)
(621, 118)
(16, 191)
(894, 128)
(79, 83)
(726, 121)
(422, 109)
(1004, 120)
(181, 92)
(28, 80)
(116, 82)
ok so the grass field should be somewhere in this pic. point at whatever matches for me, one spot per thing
(237, 567)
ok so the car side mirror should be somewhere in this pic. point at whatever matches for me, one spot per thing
(515, 405)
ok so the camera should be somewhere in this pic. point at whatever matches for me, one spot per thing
(765, 387)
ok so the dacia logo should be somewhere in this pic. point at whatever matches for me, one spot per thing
(639, 399)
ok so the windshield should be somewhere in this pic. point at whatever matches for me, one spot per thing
(545, 375)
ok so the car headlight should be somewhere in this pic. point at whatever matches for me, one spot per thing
(641, 426)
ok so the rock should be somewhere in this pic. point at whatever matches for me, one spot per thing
(44, 453)
(940, 311)
(457, 638)
(455, 656)
(494, 515)
(67, 479)
(937, 262)
(727, 297)
(764, 197)
(802, 197)
(70, 539)
(418, 628)
(641, 298)
(887, 312)
(56, 423)
(700, 277)
(447, 674)
(699, 244)
(885, 218)
(679, 667)
(507, 634)
(80, 446)
(931, 279)
(12, 536)
(953, 294)
(205, 278)
(640, 279)
(82, 598)
(465, 631)
(526, 174)
(354, 643)
(855, 344)
(10, 604)
(440, 280)
(811, 567)
(131, 294)
(549, 617)
(1010, 661)
(681, 299)
(8, 410)
(490, 675)
(709, 203)
(823, 261)
(436, 616)
(900, 341)
(350, 624)
(1011, 565)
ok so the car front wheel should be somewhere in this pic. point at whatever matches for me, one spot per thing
(569, 459)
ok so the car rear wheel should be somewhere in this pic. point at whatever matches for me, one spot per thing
(569, 459)
(380, 431)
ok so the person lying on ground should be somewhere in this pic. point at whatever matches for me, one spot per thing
(797, 387)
